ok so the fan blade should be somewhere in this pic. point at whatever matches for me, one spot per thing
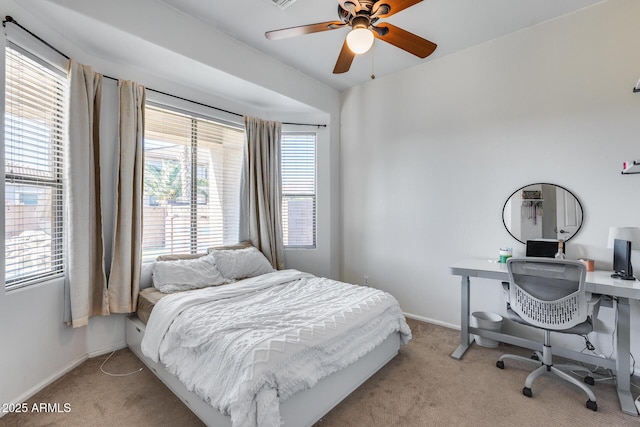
(395, 6)
(356, 4)
(405, 40)
(303, 29)
(344, 59)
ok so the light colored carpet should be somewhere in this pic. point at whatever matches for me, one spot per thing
(422, 386)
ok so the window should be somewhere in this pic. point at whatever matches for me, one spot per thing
(191, 183)
(298, 170)
(34, 134)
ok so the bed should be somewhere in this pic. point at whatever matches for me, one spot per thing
(278, 347)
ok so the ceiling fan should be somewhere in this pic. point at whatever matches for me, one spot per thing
(361, 15)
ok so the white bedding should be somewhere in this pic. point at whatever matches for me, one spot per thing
(248, 346)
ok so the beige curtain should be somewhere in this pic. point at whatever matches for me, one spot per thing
(85, 281)
(260, 193)
(124, 278)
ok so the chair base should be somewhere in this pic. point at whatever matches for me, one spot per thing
(545, 364)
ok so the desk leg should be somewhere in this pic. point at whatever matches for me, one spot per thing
(623, 348)
(464, 319)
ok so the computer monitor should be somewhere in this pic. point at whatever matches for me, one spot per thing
(622, 268)
(542, 248)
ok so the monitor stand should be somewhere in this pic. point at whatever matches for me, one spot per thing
(622, 275)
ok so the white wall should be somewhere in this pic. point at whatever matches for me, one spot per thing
(36, 346)
(429, 156)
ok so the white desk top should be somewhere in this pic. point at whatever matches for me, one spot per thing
(598, 281)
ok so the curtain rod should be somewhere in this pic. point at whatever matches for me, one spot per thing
(41, 40)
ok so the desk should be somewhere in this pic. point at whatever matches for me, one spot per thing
(599, 282)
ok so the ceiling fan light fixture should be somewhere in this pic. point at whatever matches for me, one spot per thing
(360, 40)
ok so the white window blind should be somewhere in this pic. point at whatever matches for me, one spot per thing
(34, 189)
(298, 170)
(191, 183)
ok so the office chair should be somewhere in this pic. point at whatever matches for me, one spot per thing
(550, 294)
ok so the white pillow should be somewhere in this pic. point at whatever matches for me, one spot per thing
(241, 263)
(186, 274)
(145, 275)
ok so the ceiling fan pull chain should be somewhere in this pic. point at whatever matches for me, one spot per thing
(373, 50)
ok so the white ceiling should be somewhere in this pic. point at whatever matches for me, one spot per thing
(452, 24)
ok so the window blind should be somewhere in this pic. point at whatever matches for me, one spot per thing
(298, 171)
(191, 183)
(35, 95)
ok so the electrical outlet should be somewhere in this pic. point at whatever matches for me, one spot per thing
(366, 280)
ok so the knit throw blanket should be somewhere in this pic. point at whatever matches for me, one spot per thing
(248, 346)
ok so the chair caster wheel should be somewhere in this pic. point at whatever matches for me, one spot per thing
(592, 405)
(527, 392)
(500, 364)
(589, 380)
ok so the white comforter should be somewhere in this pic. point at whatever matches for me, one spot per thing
(248, 346)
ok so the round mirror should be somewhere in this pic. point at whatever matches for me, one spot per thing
(542, 211)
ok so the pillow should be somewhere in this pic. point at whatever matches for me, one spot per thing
(177, 257)
(145, 275)
(241, 263)
(242, 245)
(186, 274)
(146, 281)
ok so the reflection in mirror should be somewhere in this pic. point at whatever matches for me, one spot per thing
(542, 211)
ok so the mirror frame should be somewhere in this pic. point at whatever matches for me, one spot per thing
(542, 183)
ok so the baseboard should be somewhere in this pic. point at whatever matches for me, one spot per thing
(107, 350)
(74, 364)
(432, 321)
(35, 389)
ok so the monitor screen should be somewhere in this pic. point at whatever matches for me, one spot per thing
(622, 257)
(542, 248)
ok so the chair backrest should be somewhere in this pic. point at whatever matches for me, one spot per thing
(548, 293)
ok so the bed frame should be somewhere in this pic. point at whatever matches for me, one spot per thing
(301, 410)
